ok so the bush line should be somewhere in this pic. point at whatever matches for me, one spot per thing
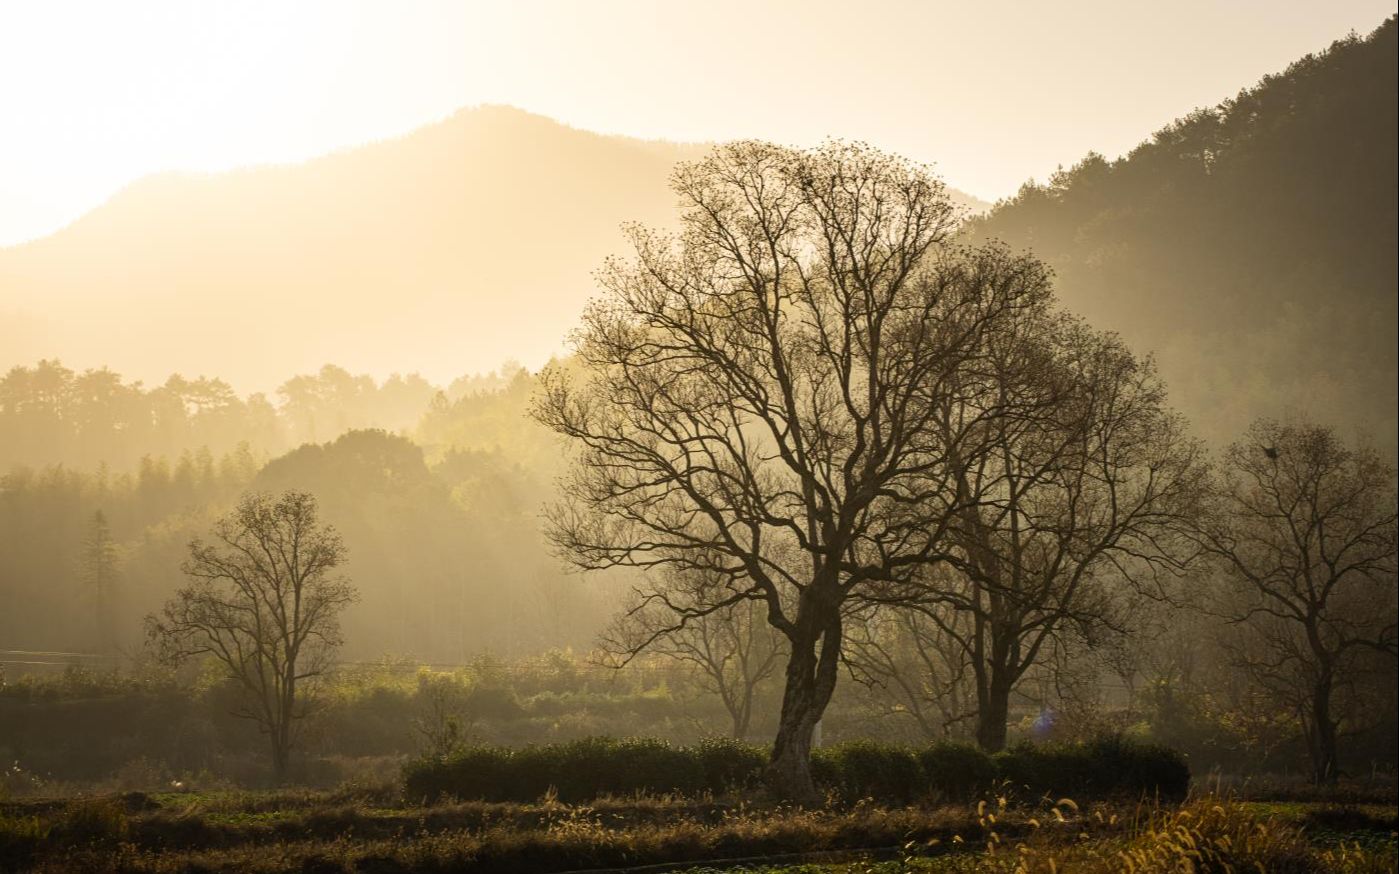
(586, 769)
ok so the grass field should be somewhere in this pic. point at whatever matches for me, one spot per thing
(373, 830)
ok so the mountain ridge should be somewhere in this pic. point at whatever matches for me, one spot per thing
(445, 251)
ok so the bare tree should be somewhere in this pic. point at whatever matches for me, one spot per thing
(445, 722)
(913, 669)
(1086, 486)
(762, 394)
(1304, 531)
(264, 601)
(734, 649)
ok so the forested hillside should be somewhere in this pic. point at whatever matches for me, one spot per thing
(440, 518)
(1250, 245)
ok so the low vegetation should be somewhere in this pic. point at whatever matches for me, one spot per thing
(594, 767)
(374, 829)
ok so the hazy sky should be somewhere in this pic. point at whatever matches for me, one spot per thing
(94, 95)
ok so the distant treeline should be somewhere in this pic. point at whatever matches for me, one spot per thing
(51, 414)
(441, 526)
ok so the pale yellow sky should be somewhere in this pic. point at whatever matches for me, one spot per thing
(95, 95)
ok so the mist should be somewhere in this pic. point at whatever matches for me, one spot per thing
(505, 471)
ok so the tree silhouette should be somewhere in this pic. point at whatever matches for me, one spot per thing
(1305, 538)
(763, 397)
(263, 601)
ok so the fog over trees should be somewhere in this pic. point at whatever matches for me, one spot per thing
(264, 601)
(832, 455)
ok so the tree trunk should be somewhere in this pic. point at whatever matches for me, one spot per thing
(810, 680)
(280, 757)
(992, 712)
(281, 730)
(1325, 767)
(742, 715)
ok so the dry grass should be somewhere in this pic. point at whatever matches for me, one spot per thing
(369, 830)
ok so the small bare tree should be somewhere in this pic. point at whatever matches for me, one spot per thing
(1303, 528)
(763, 395)
(913, 668)
(264, 601)
(445, 723)
(735, 650)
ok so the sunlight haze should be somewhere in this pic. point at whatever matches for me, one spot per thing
(97, 95)
(724, 436)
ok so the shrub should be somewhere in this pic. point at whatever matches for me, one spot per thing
(493, 702)
(729, 764)
(584, 769)
(1104, 767)
(865, 769)
(957, 771)
(578, 771)
(475, 772)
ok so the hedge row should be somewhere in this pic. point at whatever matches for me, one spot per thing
(585, 769)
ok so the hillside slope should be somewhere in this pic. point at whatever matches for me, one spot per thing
(1251, 246)
(446, 251)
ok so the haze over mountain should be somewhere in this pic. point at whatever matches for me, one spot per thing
(446, 251)
(1250, 246)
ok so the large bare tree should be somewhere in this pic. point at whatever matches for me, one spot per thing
(1079, 502)
(264, 601)
(1303, 527)
(766, 395)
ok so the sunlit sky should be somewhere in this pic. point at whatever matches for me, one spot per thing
(95, 95)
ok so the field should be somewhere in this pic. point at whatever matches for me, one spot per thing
(374, 829)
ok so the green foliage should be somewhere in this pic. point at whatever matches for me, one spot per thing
(1105, 767)
(446, 520)
(958, 770)
(866, 769)
(577, 771)
(586, 769)
(728, 764)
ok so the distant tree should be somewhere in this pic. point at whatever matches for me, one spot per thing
(735, 649)
(1080, 500)
(264, 601)
(99, 573)
(915, 667)
(1303, 528)
(762, 397)
(445, 723)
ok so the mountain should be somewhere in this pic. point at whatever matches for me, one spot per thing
(446, 251)
(1251, 246)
